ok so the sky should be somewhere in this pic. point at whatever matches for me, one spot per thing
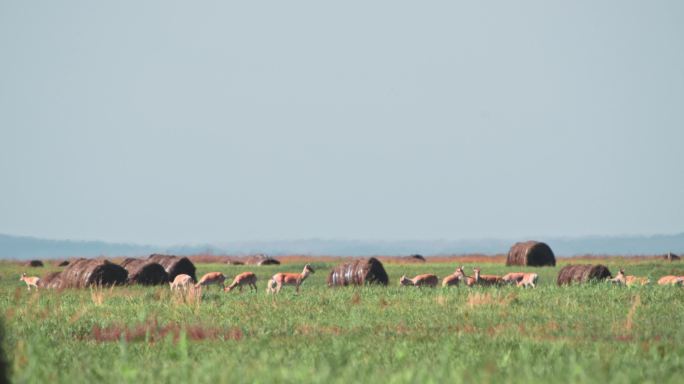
(170, 122)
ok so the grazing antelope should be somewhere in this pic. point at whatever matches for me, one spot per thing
(671, 280)
(211, 278)
(630, 280)
(245, 278)
(420, 280)
(486, 279)
(528, 280)
(30, 281)
(282, 278)
(513, 277)
(181, 281)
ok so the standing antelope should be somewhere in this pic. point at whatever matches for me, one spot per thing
(671, 280)
(181, 281)
(30, 281)
(469, 280)
(513, 277)
(521, 279)
(245, 278)
(211, 278)
(528, 280)
(620, 278)
(420, 280)
(486, 279)
(282, 278)
(454, 279)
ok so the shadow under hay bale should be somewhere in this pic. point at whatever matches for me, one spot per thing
(532, 254)
(358, 272)
(51, 280)
(174, 265)
(261, 260)
(87, 272)
(145, 272)
(34, 263)
(582, 273)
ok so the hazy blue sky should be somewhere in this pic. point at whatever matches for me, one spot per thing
(174, 122)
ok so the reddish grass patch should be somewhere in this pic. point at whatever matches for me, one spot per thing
(153, 332)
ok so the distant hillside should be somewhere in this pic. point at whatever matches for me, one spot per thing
(621, 245)
(20, 247)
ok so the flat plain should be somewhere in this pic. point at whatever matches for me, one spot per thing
(579, 333)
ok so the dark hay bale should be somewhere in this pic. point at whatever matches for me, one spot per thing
(86, 272)
(418, 258)
(145, 272)
(235, 262)
(52, 280)
(358, 272)
(582, 273)
(261, 260)
(671, 257)
(532, 254)
(34, 263)
(174, 265)
(63, 263)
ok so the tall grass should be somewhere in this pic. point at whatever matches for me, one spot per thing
(580, 333)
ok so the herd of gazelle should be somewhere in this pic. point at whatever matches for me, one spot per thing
(521, 279)
(276, 282)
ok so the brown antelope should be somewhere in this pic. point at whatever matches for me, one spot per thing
(630, 280)
(420, 280)
(217, 278)
(453, 279)
(486, 279)
(181, 281)
(282, 278)
(30, 281)
(513, 277)
(468, 280)
(245, 278)
(671, 280)
(528, 280)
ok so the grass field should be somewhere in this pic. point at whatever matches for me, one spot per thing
(589, 333)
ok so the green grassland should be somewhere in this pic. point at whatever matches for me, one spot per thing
(582, 333)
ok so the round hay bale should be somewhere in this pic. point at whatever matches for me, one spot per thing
(34, 263)
(51, 280)
(582, 273)
(174, 265)
(358, 272)
(145, 272)
(261, 260)
(532, 254)
(417, 258)
(63, 263)
(86, 272)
